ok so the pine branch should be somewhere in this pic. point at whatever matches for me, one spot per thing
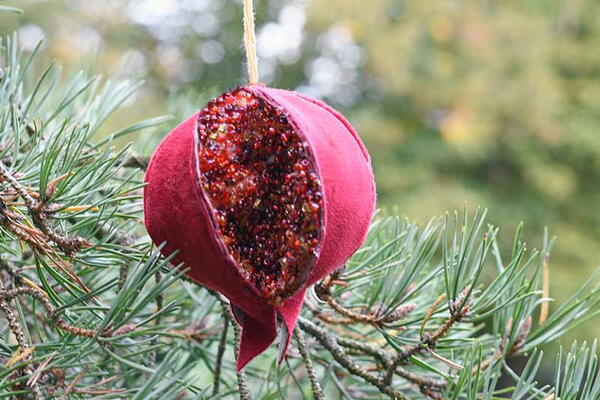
(39, 214)
(312, 375)
(228, 315)
(219, 360)
(330, 343)
(376, 318)
(241, 376)
(430, 341)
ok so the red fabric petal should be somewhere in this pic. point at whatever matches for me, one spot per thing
(257, 335)
(288, 313)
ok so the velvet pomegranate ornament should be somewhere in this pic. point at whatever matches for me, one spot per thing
(261, 194)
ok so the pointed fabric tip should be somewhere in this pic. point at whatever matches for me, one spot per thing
(288, 314)
(257, 335)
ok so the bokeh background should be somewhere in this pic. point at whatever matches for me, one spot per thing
(492, 103)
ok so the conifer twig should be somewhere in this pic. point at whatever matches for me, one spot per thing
(310, 370)
(69, 245)
(7, 295)
(428, 341)
(337, 352)
(219, 359)
(241, 376)
(227, 313)
(17, 330)
(376, 318)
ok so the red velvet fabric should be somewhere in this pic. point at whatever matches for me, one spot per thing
(176, 212)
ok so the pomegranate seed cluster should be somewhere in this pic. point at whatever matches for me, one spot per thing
(260, 179)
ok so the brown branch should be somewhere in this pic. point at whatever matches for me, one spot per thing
(43, 299)
(13, 324)
(432, 394)
(368, 317)
(98, 392)
(41, 296)
(333, 320)
(15, 327)
(37, 239)
(389, 360)
(241, 376)
(310, 370)
(228, 314)
(331, 344)
(429, 341)
(91, 389)
(68, 245)
(431, 386)
(386, 357)
(421, 381)
(219, 360)
(366, 348)
(377, 317)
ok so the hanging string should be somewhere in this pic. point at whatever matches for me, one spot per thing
(250, 42)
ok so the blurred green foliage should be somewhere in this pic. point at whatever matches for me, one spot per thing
(492, 103)
(496, 103)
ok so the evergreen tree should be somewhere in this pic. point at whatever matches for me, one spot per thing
(90, 310)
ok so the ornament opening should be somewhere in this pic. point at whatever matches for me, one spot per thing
(259, 175)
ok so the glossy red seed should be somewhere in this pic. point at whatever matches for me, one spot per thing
(263, 185)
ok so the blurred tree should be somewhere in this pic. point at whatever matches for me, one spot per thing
(495, 103)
